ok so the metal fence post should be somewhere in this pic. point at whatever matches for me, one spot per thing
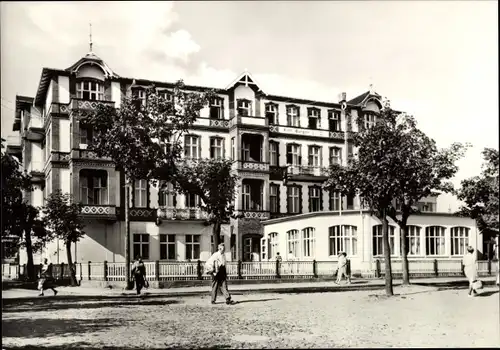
(240, 265)
(105, 272)
(157, 270)
(89, 269)
(315, 269)
(198, 270)
(61, 274)
(436, 272)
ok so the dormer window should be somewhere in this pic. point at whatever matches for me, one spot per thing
(243, 108)
(90, 90)
(292, 116)
(272, 114)
(167, 95)
(369, 120)
(216, 108)
(333, 120)
(313, 115)
(141, 95)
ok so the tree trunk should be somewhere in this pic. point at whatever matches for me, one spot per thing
(71, 266)
(404, 253)
(387, 254)
(127, 234)
(29, 253)
(216, 234)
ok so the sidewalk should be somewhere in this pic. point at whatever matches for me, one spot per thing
(304, 287)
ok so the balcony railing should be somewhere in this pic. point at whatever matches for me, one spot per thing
(251, 166)
(169, 213)
(99, 210)
(86, 154)
(253, 214)
(35, 166)
(81, 104)
(248, 120)
(219, 123)
(13, 140)
(307, 170)
(35, 122)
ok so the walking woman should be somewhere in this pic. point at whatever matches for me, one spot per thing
(139, 273)
(470, 269)
(45, 281)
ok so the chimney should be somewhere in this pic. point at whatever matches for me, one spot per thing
(342, 97)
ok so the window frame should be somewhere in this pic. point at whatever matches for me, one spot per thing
(276, 196)
(214, 147)
(274, 113)
(309, 242)
(318, 198)
(377, 234)
(293, 241)
(458, 237)
(334, 118)
(314, 113)
(274, 153)
(97, 93)
(165, 241)
(191, 146)
(438, 239)
(335, 159)
(240, 107)
(141, 244)
(191, 244)
(343, 238)
(293, 119)
(141, 187)
(292, 197)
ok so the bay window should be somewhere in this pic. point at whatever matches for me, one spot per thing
(90, 90)
(94, 187)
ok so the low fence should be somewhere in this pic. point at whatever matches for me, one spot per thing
(265, 270)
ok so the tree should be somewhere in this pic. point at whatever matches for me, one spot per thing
(480, 195)
(62, 217)
(20, 219)
(143, 138)
(215, 183)
(421, 170)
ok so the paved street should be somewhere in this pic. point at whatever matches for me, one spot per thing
(417, 316)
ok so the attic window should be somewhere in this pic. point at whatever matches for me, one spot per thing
(216, 108)
(313, 115)
(243, 108)
(90, 90)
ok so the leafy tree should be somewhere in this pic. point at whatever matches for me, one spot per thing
(214, 182)
(143, 139)
(480, 194)
(19, 219)
(62, 217)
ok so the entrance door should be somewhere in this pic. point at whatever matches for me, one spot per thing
(251, 249)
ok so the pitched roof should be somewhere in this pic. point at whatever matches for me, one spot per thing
(246, 79)
(363, 97)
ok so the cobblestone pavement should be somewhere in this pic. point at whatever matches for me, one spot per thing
(417, 316)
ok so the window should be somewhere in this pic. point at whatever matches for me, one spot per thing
(293, 242)
(192, 200)
(315, 156)
(263, 249)
(293, 116)
(216, 108)
(315, 199)
(273, 153)
(216, 148)
(333, 120)
(90, 90)
(93, 187)
(192, 247)
(378, 242)
(434, 240)
(166, 196)
(191, 146)
(273, 245)
(335, 201)
(369, 120)
(141, 245)
(233, 149)
(167, 95)
(413, 240)
(343, 239)
(167, 247)
(294, 196)
(293, 154)
(309, 242)
(141, 95)
(244, 108)
(140, 193)
(272, 113)
(314, 117)
(85, 135)
(335, 155)
(274, 198)
(350, 202)
(245, 194)
(459, 240)
(427, 207)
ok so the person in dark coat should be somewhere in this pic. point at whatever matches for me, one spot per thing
(46, 280)
(139, 273)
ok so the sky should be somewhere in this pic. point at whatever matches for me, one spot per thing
(436, 60)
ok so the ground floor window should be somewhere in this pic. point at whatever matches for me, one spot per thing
(343, 238)
(434, 240)
(141, 245)
(167, 247)
(413, 240)
(293, 243)
(192, 247)
(273, 245)
(459, 240)
(309, 242)
(378, 242)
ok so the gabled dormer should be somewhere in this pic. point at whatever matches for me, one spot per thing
(244, 96)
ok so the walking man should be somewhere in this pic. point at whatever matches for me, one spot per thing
(216, 266)
(45, 281)
(342, 268)
(138, 273)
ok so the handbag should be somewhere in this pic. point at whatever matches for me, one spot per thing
(146, 283)
(477, 284)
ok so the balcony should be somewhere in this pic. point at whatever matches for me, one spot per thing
(35, 167)
(168, 213)
(215, 123)
(307, 173)
(14, 145)
(253, 214)
(244, 165)
(87, 105)
(99, 211)
(248, 120)
(88, 155)
(35, 130)
(59, 108)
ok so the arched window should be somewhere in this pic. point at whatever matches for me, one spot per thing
(343, 238)
(434, 240)
(309, 242)
(378, 243)
(413, 244)
(459, 240)
(273, 244)
(293, 240)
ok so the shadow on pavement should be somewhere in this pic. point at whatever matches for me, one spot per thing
(77, 345)
(255, 300)
(487, 293)
(49, 327)
(80, 302)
